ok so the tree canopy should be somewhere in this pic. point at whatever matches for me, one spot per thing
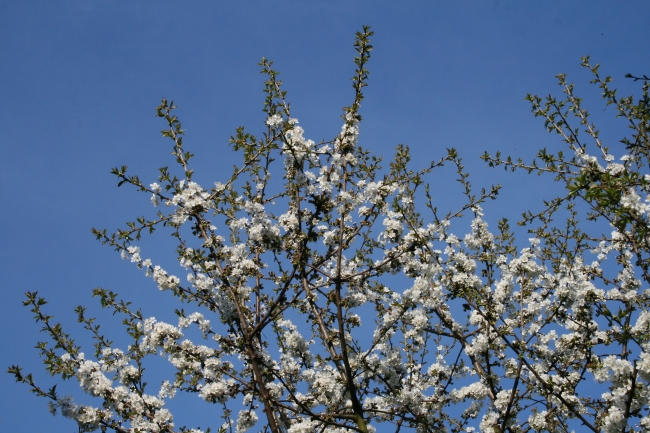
(332, 294)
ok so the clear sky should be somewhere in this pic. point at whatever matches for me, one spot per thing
(79, 81)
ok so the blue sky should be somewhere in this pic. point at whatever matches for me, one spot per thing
(80, 81)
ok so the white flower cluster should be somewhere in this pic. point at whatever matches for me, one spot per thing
(274, 120)
(158, 334)
(164, 280)
(145, 412)
(245, 420)
(190, 199)
(633, 201)
(88, 418)
(349, 135)
(298, 149)
(156, 189)
(294, 342)
(198, 318)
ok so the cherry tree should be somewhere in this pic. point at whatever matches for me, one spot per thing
(291, 283)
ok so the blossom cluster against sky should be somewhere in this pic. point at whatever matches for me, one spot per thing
(80, 80)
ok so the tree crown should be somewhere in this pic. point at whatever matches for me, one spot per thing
(304, 326)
